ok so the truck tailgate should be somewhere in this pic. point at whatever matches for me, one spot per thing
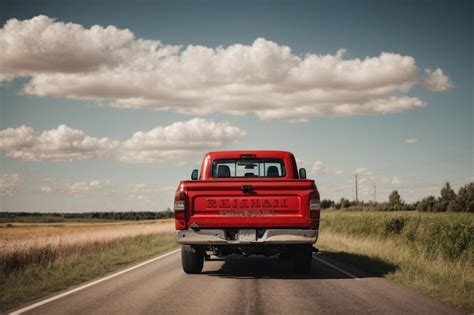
(273, 203)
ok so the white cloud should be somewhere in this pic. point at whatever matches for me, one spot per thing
(395, 180)
(365, 173)
(436, 80)
(8, 183)
(148, 189)
(300, 162)
(76, 187)
(411, 140)
(268, 79)
(47, 189)
(147, 192)
(179, 140)
(140, 192)
(319, 168)
(61, 144)
(86, 186)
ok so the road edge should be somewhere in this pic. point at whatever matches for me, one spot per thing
(89, 284)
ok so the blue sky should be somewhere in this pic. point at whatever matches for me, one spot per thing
(305, 108)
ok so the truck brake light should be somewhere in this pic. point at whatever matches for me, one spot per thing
(179, 201)
(314, 201)
(179, 210)
(314, 209)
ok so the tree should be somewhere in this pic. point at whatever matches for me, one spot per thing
(465, 198)
(426, 204)
(447, 197)
(447, 193)
(395, 201)
(345, 203)
(327, 203)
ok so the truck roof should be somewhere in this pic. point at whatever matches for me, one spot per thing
(258, 153)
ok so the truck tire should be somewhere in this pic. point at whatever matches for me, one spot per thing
(192, 260)
(301, 259)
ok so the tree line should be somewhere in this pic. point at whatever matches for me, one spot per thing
(448, 201)
(109, 215)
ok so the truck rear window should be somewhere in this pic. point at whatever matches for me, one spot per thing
(248, 168)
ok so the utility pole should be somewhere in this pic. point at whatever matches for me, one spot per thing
(357, 195)
(375, 190)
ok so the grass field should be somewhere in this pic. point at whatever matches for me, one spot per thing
(433, 252)
(37, 259)
(430, 251)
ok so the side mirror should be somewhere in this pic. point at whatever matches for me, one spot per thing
(194, 175)
(302, 173)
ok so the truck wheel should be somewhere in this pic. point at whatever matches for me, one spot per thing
(301, 259)
(192, 259)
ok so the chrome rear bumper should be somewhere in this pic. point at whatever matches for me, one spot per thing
(271, 236)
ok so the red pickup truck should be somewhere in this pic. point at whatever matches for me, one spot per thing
(247, 202)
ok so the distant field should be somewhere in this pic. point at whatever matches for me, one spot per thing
(433, 252)
(50, 219)
(40, 258)
(24, 236)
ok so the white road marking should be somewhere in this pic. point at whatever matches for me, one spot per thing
(57, 297)
(347, 273)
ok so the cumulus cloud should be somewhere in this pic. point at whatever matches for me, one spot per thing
(437, 81)
(265, 78)
(179, 140)
(395, 180)
(8, 183)
(148, 189)
(411, 140)
(61, 144)
(144, 191)
(135, 191)
(362, 171)
(319, 168)
(77, 187)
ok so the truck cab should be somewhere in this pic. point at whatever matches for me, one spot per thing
(246, 203)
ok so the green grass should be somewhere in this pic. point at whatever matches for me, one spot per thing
(48, 275)
(429, 251)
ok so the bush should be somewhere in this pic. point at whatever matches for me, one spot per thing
(326, 203)
(395, 225)
(448, 236)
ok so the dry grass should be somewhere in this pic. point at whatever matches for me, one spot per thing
(25, 236)
(37, 259)
(25, 244)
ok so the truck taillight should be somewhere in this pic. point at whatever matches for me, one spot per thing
(180, 210)
(314, 209)
(179, 204)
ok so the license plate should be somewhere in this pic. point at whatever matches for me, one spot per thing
(247, 236)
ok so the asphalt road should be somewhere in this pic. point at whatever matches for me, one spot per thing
(253, 285)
